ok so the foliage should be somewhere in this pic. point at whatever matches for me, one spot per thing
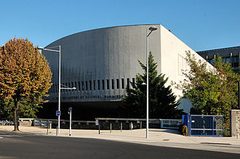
(162, 102)
(212, 91)
(226, 128)
(25, 76)
(26, 109)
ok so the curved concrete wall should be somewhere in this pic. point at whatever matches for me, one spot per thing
(101, 62)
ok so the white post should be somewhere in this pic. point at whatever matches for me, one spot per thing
(152, 28)
(58, 113)
(147, 102)
(70, 121)
(59, 90)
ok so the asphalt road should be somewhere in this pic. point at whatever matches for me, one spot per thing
(42, 147)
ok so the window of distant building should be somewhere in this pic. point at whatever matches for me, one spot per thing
(235, 62)
(211, 61)
(79, 85)
(72, 85)
(103, 85)
(107, 83)
(98, 84)
(94, 85)
(86, 85)
(112, 83)
(90, 85)
(227, 59)
(133, 80)
(123, 85)
(82, 85)
(118, 84)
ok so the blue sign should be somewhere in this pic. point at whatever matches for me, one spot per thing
(58, 113)
(96, 122)
(70, 109)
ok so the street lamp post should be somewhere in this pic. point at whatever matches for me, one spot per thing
(59, 83)
(152, 28)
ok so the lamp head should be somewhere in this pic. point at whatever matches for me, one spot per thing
(153, 28)
(40, 48)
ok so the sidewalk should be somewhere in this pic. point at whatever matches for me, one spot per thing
(157, 137)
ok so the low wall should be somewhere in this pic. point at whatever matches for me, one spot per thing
(26, 121)
(235, 123)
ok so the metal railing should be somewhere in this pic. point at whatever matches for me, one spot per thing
(106, 123)
(170, 123)
(6, 122)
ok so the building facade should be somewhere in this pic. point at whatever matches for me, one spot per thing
(230, 55)
(101, 63)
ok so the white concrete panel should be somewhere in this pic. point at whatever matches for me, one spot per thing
(173, 53)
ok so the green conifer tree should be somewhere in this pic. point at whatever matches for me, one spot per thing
(162, 102)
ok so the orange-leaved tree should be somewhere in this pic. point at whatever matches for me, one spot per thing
(24, 74)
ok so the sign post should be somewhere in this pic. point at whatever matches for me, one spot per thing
(70, 120)
(58, 113)
(97, 124)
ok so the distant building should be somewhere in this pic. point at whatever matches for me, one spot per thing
(101, 63)
(230, 54)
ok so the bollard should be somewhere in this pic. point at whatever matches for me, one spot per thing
(131, 126)
(110, 127)
(70, 121)
(121, 127)
(99, 129)
(141, 125)
(237, 133)
(47, 126)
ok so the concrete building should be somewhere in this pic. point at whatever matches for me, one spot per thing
(230, 54)
(101, 63)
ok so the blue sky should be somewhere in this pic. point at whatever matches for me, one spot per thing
(201, 24)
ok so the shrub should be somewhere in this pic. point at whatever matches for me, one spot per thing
(185, 130)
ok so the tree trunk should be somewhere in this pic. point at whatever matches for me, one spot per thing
(16, 128)
(16, 102)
